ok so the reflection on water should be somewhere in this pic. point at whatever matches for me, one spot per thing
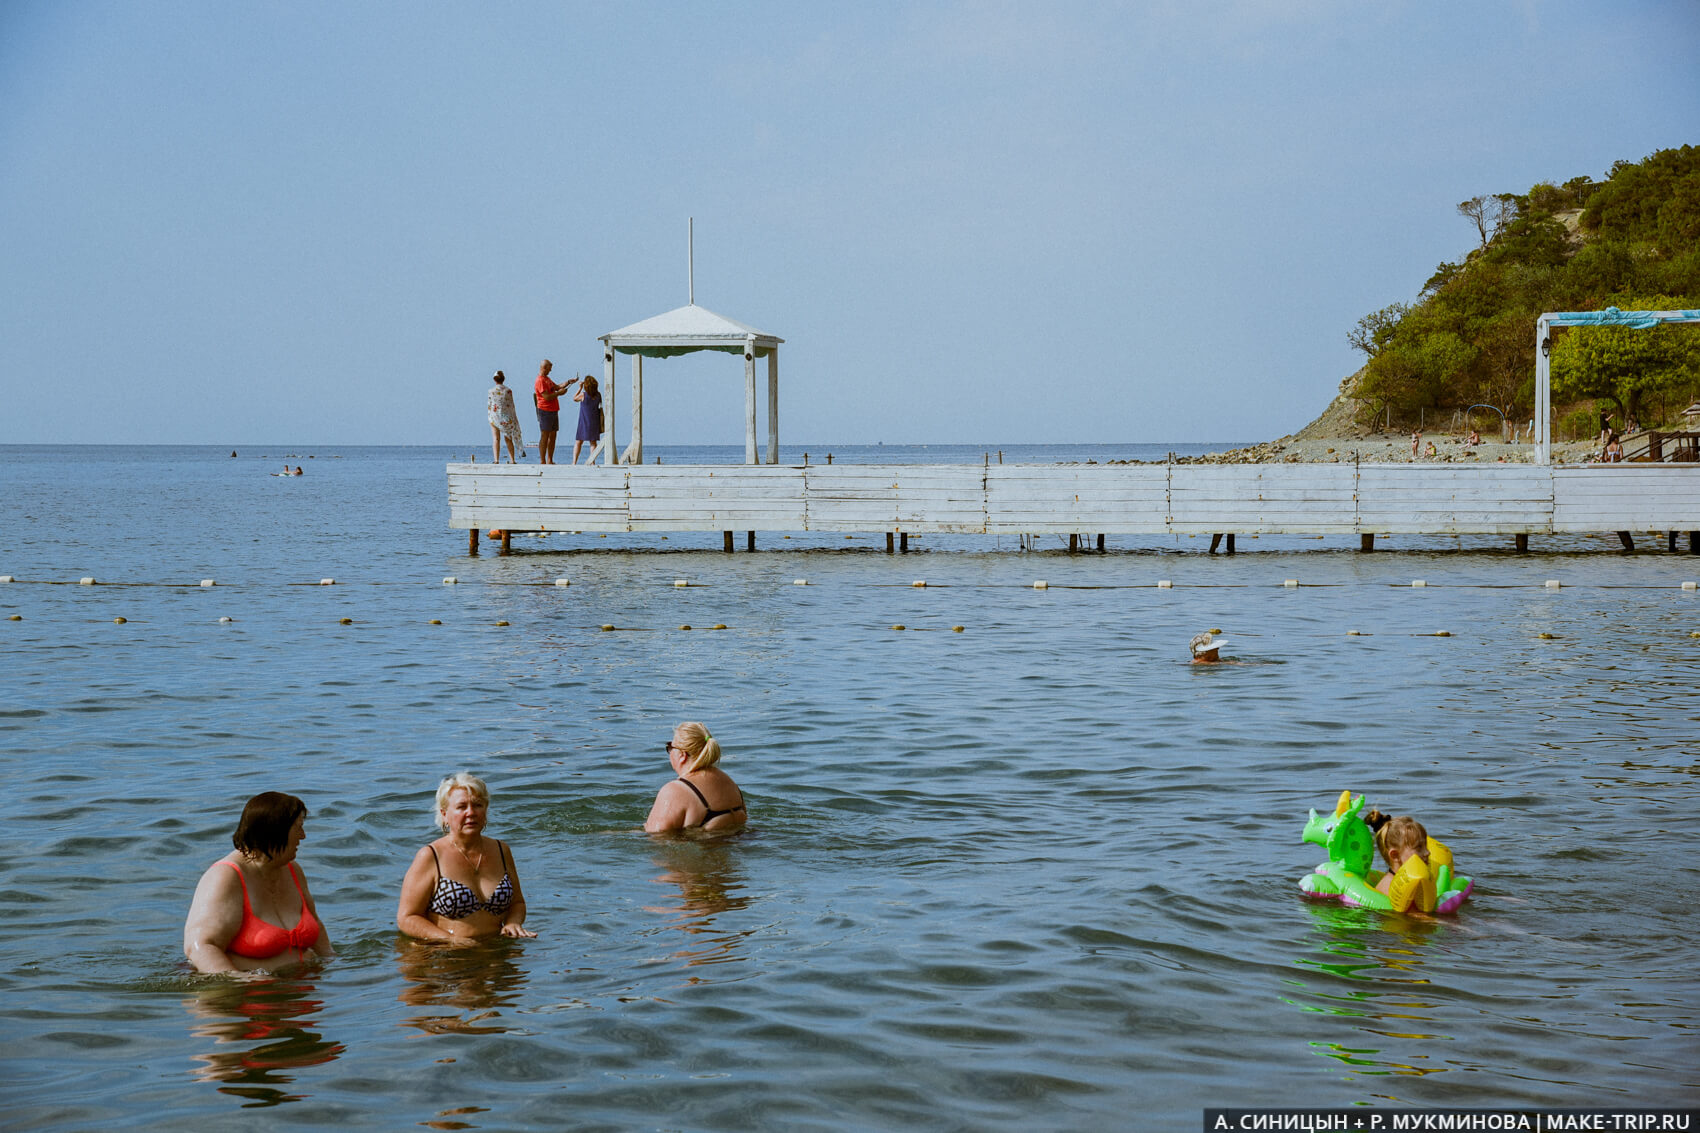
(705, 872)
(266, 1022)
(1386, 952)
(476, 980)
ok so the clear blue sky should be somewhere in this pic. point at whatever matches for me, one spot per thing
(238, 223)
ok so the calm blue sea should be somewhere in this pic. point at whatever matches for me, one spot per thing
(1037, 874)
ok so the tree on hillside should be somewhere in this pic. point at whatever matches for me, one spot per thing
(1490, 215)
(1624, 365)
(1375, 328)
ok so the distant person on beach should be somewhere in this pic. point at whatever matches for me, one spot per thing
(1613, 452)
(462, 887)
(252, 910)
(548, 397)
(1204, 647)
(1429, 451)
(1474, 439)
(703, 797)
(589, 399)
(1416, 442)
(504, 421)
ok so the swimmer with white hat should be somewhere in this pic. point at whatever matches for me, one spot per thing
(1204, 648)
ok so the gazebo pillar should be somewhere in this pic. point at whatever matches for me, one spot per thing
(750, 401)
(608, 456)
(773, 406)
(636, 451)
(1543, 392)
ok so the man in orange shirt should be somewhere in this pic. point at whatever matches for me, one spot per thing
(547, 395)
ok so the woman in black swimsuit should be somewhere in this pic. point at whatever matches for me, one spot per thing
(703, 796)
(463, 886)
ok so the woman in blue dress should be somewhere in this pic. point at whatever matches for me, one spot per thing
(589, 399)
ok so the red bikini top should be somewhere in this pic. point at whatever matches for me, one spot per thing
(258, 940)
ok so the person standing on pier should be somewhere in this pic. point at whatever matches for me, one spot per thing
(504, 422)
(548, 397)
(589, 399)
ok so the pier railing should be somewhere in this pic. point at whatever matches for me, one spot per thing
(1316, 499)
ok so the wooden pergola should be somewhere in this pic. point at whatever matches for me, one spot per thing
(686, 330)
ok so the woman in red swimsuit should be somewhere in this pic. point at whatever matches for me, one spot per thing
(252, 910)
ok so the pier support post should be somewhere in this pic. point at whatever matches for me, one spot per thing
(726, 542)
(1522, 543)
(1073, 543)
(472, 541)
(1627, 540)
(1214, 541)
(505, 534)
(1230, 542)
(750, 543)
(1366, 541)
(888, 543)
(1670, 541)
(903, 542)
(1694, 542)
(1100, 542)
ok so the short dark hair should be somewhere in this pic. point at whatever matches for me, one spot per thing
(266, 822)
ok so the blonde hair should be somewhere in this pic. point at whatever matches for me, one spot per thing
(703, 748)
(459, 781)
(1402, 833)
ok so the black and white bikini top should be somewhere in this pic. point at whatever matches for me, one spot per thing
(456, 901)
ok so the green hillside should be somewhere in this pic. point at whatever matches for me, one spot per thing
(1631, 241)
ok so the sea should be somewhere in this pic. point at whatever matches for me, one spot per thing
(1012, 862)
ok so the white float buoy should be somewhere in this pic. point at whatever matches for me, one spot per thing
(1041, 585)
(1417, 584)
(680, 582)
(5, 578)
(1685, 586)
(327, 582)
(1553, 584)
(1290, 582)
(451, 580)
(919, 582)
(1165, 584)
(799, 582)
(86, 580)
(224, 621)
(208, 583)
(563, 582)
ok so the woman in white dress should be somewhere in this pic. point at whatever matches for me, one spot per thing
(504, 422)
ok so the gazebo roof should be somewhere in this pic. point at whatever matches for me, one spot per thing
(686, 329)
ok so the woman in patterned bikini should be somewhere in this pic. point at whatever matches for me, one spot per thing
(462, 887)
(252, 909)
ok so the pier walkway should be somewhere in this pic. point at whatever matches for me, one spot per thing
(1034, 499)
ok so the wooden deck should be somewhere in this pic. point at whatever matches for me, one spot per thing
(1036, 499)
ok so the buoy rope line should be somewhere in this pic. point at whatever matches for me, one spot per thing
(899, 626)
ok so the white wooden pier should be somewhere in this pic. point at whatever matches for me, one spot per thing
(1032, 499)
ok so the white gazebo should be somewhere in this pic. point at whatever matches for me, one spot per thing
(682, 331)
(1610, 317)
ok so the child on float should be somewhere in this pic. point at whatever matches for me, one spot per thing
(1414, 862)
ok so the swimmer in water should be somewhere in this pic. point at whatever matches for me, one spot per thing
(1204, 648)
